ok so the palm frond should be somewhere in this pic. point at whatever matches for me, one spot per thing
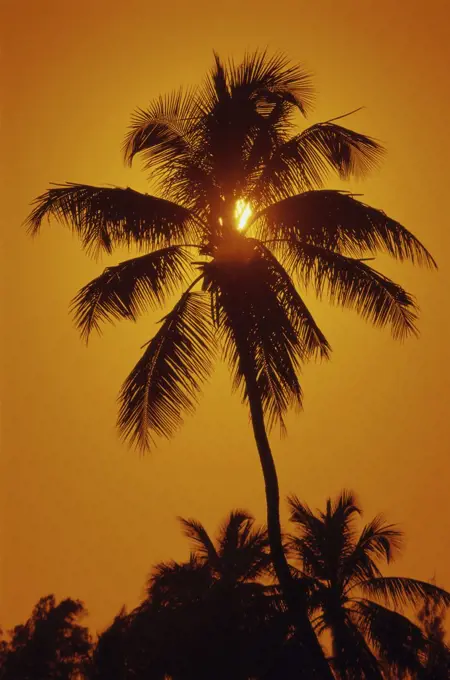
(314, 342)
(352, 657)
(173, 584)
(204, 546)
(378, 541)
(163, 131)
(106, 217)
(350, 283)
(306, 550)
(261, 75)
(302, 515)
(324, 539)
(272, 131)
(243, 549)
(236, 527)
(303, 162)
(220, 80)
(396, 639)
(316, 591)
(338, 528)
(348, 152)
(309, 545)
(190, 182)
(125, 290)
(345, 505)
(253, 555)
(255, 326)
(338, 519)
(338, 221)
(164, 382)
(403, 591)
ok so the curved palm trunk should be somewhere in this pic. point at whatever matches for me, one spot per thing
(314, 663)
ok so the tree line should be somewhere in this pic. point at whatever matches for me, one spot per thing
(221, 613)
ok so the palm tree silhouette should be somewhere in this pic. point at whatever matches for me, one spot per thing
(340, 571)
(239, 220)
(232, 564)
(210, 616)
(241, 551)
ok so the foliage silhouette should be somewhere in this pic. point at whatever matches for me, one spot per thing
(431, 617)
(209, 617)
(51, 644)
(110, 656)
(219, 615)
(231, 143)
(349, 597)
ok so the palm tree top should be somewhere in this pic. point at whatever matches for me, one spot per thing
(240, 552)
(330, 547)
(241, 223)
(237, 555)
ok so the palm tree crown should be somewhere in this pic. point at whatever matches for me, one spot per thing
(240, 219)
(238, 556)
(348, 593)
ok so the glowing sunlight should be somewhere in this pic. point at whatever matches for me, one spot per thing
(242, 213)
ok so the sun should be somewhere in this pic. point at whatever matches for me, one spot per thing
(242, 213)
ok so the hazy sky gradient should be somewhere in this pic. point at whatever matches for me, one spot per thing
(83, 516)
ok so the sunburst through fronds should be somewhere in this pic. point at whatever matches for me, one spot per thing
(225, 157)
(242, 213)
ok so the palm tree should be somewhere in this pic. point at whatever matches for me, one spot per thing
(209, 616)
(350, 597)
(240, 218)
(231, 565)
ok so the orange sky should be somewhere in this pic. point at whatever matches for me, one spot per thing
(82, 515)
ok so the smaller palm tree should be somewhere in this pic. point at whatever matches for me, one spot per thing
(350, 598)
(211, 616)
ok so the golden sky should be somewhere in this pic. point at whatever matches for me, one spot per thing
(84, 516)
